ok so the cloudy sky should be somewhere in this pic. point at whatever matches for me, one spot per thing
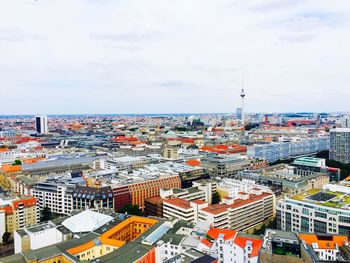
(166, 56)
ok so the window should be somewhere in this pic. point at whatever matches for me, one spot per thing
(320, 215)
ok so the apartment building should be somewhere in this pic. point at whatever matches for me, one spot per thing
(327, 247)
(17, 213)
(230, 246)
(316, 210)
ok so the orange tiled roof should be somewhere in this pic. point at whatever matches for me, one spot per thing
(105, 237)
(193, 162)
(256, 244)
(224, 149)
(4, 150)
(206, 242)
(228, 234)
(11, 168)
(124, 139)
(324, 244)
(8, 209)
(34, 160)
(26, 202)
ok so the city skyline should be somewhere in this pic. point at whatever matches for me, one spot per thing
(90, 57)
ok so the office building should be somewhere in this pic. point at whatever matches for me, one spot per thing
(224, 165)
(345, 121)
(246, 211)
(285, 150)
(239, 113)
(41, 124)
(316, 210)
(135, 191)
(340, 145)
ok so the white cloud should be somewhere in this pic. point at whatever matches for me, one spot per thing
(120, 56)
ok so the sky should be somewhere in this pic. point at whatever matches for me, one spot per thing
(173, 56)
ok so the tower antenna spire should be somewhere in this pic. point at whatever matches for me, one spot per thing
(242, 96)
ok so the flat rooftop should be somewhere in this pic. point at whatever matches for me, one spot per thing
(324, 198)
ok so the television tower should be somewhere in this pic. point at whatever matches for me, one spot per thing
(242, 96)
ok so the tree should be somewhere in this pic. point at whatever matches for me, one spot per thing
(6, 237)
(130, 209)
(17, 162)
(215, 199)
(46, 214)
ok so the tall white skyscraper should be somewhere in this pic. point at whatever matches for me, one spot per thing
(41, 124)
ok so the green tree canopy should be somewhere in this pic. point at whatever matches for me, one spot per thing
(46, 214)
(17, 162)
(130, 209)
(6, 237)
(215, 199)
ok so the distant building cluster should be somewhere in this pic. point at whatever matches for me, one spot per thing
(175, 188)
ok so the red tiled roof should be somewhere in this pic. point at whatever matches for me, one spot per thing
(216, 209)
(178, 202)
(198, 202)
(252, 199)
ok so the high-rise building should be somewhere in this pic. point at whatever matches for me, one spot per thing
(340, 145)
(239, 113)
(345, 121)
(41, 124)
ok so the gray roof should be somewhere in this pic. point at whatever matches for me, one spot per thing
(130, 252)
(16, 258)
(173, 239)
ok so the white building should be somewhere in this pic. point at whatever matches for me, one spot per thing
(57, 196)
(284, 150)
(37, 236)
(228, 246)
(241, 213)
(316, 210)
